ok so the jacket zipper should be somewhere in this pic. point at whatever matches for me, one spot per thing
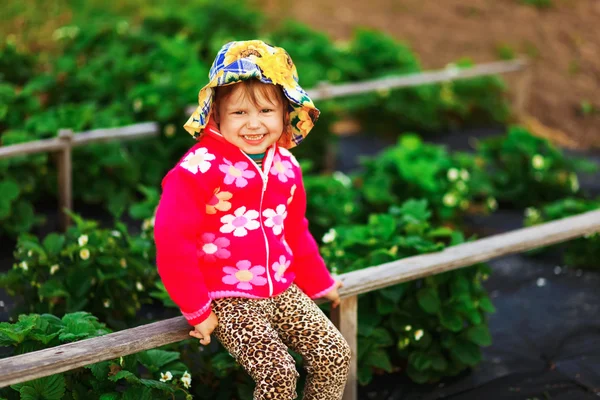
(265, 178)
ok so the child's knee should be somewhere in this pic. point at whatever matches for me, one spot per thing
(280, 376)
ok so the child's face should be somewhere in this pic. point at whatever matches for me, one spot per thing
(251, 127)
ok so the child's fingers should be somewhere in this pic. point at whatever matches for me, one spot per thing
(335, 302)
(205, 340)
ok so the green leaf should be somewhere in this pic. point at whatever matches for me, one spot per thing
(128, 376)
(138, 393)
(12, 334)
(365, 374)
(100, 370)
(379, 359)
(479, 335)
(110, 396)
(381, 338)
(9, 189)
(53, 243)
(48, 388)
(466, 352)
(156, 359)
(486, 305)
(429, 300)
(421, 361)
(165, 387)
(439, 362)
(53, 288)
(451, 320)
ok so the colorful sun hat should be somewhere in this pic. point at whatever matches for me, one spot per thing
(239, 61)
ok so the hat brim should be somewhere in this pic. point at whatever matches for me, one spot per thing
(303, 113)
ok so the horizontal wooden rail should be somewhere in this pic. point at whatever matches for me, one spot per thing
(62, 358)
(327, 90)
(80, 139)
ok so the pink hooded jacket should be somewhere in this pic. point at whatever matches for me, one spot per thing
(225, 228)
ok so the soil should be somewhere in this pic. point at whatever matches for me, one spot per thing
(561, 42)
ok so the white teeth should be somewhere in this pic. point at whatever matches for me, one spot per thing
(253, 137)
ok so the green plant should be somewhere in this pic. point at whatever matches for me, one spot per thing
(451, 183)
(526, 170)
(432, 326)
(580, 253)
(505, 51)
(538, 3)
(104, 271)
(152, 374)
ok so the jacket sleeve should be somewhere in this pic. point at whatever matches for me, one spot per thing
(178, 218)
(312, 276)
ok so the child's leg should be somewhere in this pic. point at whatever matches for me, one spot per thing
(304, 328)
(245, 331)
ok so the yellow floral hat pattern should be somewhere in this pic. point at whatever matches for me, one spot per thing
(254, 59)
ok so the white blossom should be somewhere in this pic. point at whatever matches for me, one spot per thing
(464, 175)
(166, 376)
(23, 265)
(84, 254)
(537, 161)
(186, 379)
(418, 334)
(342, 178)
(53, 269)
(452, 174)
(139, 286)
(408, 328)
(83, 240)
(106, 303)
(450, 199)
(329, 236)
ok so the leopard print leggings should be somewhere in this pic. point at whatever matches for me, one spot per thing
(258, 332)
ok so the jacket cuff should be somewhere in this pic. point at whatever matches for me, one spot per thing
(196, 317)
(323, 292)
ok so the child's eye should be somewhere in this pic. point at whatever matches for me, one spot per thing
(267, 110)
(239, 112)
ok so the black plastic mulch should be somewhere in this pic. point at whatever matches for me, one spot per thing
(546, 331)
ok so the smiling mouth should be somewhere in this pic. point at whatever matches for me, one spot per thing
(253, 137)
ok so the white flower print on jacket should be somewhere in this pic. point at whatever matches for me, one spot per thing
(238, 173)
(240, 222)
(275, 218)
(244, 275)
(198, 161)
(282, 169)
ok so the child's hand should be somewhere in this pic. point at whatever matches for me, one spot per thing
(203, 330)
(333, 294)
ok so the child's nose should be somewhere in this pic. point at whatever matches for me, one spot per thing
(253, 123)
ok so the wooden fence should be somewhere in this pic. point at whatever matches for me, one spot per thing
(46, 362)
(66, 357)
(63, 147)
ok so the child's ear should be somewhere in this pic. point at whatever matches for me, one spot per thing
(215, 114)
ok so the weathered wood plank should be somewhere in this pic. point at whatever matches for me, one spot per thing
(39, 146)
(121, 133)
(345, 317)
(82, 138)
(467, 254)
(328, 91)
(62, 358)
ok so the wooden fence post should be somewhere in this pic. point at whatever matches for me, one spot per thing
(65, 177)
(345, 317)
(523, 90)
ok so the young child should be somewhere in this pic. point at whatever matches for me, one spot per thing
(233, 246)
